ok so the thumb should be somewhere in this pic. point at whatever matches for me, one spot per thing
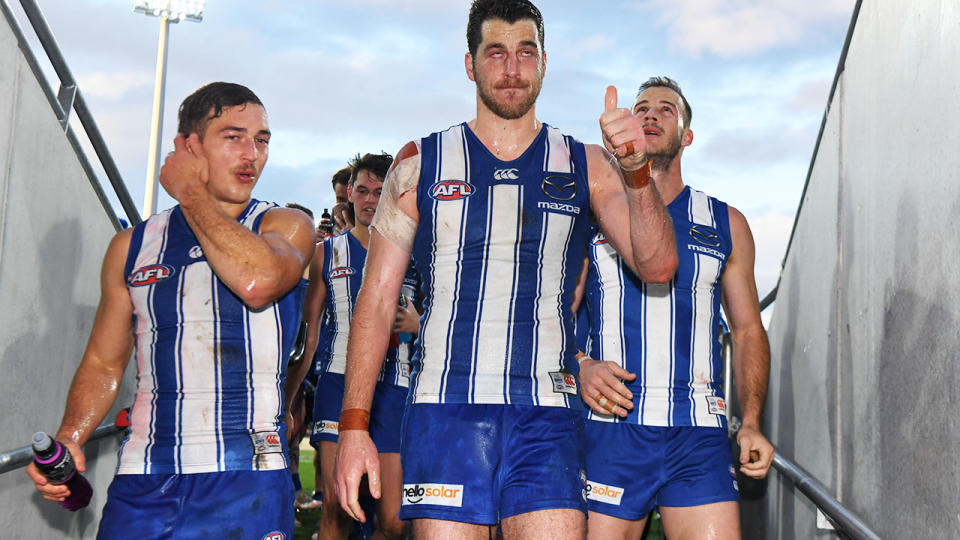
(610, 99)
(373, 479)
(79, 460)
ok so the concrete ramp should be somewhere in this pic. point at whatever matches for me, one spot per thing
(54, 230)
(865, 335)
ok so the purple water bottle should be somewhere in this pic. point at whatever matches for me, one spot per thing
(54, 461)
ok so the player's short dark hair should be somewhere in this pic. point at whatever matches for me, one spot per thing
(341, 177)
(509, 11)
(377, 164)
(195, 111)
(300, 207)
(667, 82)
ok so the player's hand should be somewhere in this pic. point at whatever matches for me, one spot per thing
(602, 387)
(185, 169)
(756, 452)
(341, 218)
(356, 456)
(407, 320)
(57, 492)
(622, 133)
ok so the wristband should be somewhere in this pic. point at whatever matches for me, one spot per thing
(637, 178)
(354, 419)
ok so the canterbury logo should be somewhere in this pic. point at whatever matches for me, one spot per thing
(506, 174)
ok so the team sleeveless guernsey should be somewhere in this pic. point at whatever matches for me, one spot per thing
(498, 251)
(209, 370)
(668, 334)
(343, 260)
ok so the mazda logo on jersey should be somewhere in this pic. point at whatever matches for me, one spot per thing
(148, 275)
(451, 190)
(707, 236)
(559, 188)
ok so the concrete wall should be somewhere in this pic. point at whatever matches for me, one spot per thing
(53, 234)
(865, 334)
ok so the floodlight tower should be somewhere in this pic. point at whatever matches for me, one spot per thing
(169, 11)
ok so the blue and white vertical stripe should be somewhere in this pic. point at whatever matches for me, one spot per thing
(498, 251)
(668, 334)
(210, 370)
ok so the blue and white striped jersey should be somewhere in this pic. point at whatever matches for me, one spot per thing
(666, 333)
(498, 250)
(343, 261)
(209, 370)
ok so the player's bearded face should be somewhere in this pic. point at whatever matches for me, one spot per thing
(507, 105)
(663, 156)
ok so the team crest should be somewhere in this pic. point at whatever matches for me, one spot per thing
(148, 275)
(451, 190)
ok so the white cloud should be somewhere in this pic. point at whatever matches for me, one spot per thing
(114, 85)
(733, 28)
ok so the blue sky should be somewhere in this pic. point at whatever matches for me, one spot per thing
(341, 77)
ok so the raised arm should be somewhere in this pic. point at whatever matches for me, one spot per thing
(95, 384)
(391, 241)
(259, 268)
(751, 350)
(625, 201)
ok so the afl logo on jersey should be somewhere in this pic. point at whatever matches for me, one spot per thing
(148, 275)
(599, 239)
(705, 235)
(451, 190)
(275, 535)
(340, 272)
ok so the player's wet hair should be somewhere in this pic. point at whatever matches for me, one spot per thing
(377, 164)
(509, 11)
(667, 82)
(208, 102)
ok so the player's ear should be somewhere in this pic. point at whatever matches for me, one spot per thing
(687, 138)
(468, 65)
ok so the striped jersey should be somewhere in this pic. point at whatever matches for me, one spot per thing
(209, 369)
(666, 333)
(343, 261)
(498, 251)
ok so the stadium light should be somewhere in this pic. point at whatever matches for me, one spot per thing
(169, 11)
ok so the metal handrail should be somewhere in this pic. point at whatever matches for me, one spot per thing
(12, 460)
(69, 97)
(841, 517)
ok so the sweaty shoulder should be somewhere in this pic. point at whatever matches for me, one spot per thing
(409, 150)
(286, 221)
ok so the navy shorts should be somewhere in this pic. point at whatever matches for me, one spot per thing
(386, 416)
(483, 463)
(234, 504)
(632, 468)
(327, 403)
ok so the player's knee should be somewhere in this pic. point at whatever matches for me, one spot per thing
(392, 528)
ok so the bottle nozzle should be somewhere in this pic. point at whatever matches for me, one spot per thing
(42, 441)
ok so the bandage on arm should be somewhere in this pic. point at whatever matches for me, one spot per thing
(393, 220)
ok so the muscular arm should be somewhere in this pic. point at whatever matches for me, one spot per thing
(313, 308)
(259, 268)
(751, 351)
(391, 240)
(633, 219)
(97, 379)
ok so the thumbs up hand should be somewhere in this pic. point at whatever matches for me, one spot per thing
(622, 133)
